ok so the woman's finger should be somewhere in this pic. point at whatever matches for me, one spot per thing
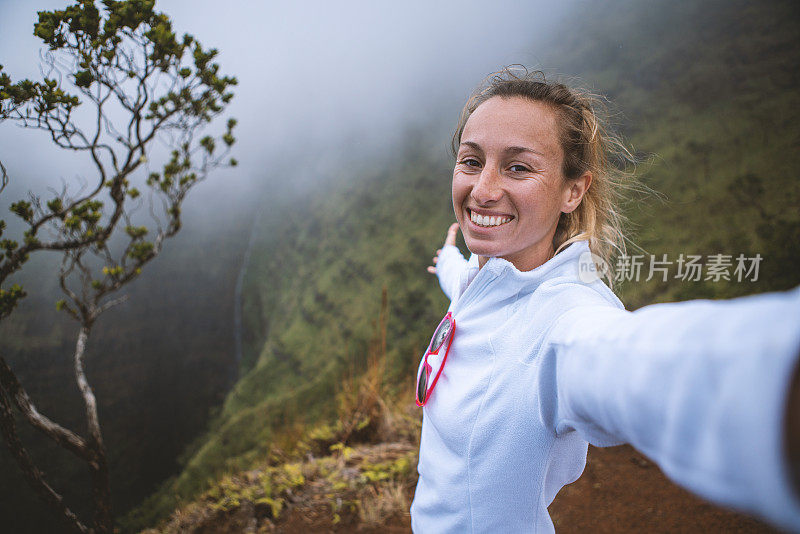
(451, 234)
(452, 231)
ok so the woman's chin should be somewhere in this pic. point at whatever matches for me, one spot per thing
(480, 247)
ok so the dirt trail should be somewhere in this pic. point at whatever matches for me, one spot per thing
(621, 491)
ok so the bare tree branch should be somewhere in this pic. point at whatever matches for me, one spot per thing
(65, 438)
(32, 474)
(3, 177)
(110, 304)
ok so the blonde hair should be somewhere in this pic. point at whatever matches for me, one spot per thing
(589, 145)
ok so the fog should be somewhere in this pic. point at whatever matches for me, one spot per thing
(316, 79)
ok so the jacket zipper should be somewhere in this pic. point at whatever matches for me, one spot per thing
(471, 291)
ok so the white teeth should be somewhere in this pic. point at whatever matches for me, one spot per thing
(486, 220)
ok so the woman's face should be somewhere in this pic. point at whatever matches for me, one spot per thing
(508, 185)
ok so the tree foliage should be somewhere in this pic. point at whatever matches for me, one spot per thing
(122, 89)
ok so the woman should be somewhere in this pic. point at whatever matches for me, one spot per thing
(533, 360)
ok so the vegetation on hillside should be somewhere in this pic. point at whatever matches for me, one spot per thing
(709, 89)
(356, 470)
(707, 93)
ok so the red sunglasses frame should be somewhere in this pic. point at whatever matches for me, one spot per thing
(426, 366)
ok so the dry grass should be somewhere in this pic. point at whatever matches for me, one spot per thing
(384, 502)
(364, 412)
(354, 474)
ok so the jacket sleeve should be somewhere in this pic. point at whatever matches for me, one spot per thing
(700, 387)
(449, 268)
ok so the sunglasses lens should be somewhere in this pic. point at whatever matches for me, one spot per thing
(440, 335)
(433, 360)
(422, 383)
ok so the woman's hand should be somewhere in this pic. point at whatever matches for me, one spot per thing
(450, 240)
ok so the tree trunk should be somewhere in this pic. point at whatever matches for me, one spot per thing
(101, 489)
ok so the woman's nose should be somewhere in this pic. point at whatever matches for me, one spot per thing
(487, 189)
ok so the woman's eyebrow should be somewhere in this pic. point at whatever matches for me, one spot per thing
(472, 144)
(517, 149)
(512, 150)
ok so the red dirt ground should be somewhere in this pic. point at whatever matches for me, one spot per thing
(621, 491)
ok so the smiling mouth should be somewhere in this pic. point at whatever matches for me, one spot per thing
(488, 221)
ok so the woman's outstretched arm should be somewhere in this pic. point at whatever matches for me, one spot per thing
(703, 388)
(448, 264)
(792, 424)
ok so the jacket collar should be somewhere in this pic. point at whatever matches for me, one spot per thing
(509, 282)
(563, 263)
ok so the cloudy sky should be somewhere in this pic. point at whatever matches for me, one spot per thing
(314, 75)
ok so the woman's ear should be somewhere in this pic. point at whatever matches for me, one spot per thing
(574, 192)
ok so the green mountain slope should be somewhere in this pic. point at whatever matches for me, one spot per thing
(711, 90)
(708, 96)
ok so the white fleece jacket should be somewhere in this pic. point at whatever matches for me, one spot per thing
(542, 363)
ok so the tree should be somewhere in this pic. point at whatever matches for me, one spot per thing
(141, 96)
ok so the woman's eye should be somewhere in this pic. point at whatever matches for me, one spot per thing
(519, 168)
(470, 162)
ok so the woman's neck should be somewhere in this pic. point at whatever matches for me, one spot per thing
(524, 262)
